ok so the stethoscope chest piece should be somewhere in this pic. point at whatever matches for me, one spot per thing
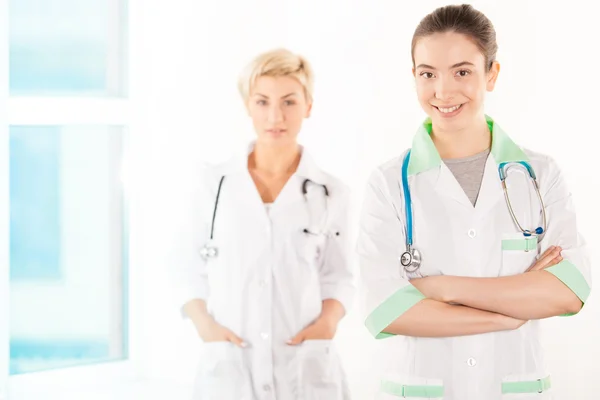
(411, 260)
(209, 251)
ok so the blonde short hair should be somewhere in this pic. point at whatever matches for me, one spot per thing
(277, 63)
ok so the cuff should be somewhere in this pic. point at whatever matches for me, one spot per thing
(568, 274)
(392, 308)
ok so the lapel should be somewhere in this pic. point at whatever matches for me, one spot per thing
(425, 157)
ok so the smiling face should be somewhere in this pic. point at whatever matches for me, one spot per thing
(277, 106)
(452, 79)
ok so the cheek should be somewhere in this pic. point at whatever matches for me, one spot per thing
(424, 90)
(425, 93)
(258, 116)
(475, 90)
(295, 117)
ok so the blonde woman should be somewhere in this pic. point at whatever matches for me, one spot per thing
(263, 270)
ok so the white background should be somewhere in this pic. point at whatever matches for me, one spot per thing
(185, 59)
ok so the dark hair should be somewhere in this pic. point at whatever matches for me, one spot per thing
(463, 19)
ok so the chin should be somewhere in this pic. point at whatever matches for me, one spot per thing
(279, 140)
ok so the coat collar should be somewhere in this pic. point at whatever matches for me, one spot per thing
(424, 156)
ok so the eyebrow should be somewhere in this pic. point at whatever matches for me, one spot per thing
(286, 96)
(460, 64)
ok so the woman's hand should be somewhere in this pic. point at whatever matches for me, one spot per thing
(322, 329)
(325, 326)
(550, 257)
(211, 331)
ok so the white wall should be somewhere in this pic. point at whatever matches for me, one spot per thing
(187, 55)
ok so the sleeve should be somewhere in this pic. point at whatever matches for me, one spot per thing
(574, 271)
(387, 292)
(337, 275)
(187, 269)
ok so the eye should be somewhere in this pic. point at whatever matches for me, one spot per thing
(290, 102)
(427, 75)
(261, 102)
(463, 72)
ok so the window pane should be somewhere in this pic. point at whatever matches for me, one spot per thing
(66, 47)
(67, 247)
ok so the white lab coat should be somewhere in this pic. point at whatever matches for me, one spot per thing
(456, 238)
(268, 282)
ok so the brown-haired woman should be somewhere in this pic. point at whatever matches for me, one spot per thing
(467, 240)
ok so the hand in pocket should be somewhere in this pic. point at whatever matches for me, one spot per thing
(213, 332)
(321, 329)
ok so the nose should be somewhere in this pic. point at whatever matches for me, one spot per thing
(445, 89)
(275, 114)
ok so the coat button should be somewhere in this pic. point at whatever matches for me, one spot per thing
(472, 233)
(264, 335)
(267, 388)
(471, 362)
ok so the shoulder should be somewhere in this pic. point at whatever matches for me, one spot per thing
(310, 169)
(548, 172)
(210, 175)
(335, 185)
(388, 174)
(538, 157)
(544, 165)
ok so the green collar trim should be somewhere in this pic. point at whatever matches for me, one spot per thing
(424, 156)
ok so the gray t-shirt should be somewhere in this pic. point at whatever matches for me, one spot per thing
(468, 171)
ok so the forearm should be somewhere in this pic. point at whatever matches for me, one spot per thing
(532, 295)
(431, 318)
(333, 311)
(196, 310)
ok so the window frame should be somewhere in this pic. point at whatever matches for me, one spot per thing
(72, 110)
(4, 204)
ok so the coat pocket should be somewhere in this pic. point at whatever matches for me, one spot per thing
(527, 386)
(309, 247)
(222, 373)
(518, 253)
(320, 371)
(410, 387)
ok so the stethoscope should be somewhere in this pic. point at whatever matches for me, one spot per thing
(411, 259)
(209, 250)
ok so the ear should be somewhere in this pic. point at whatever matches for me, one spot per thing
(414, 72)
(492, 76)
(308, 110)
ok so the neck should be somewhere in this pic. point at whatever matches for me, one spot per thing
(274, 160)
(472, 139)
